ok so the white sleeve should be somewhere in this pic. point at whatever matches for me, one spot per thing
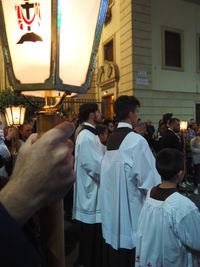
(90, 158)
(189, 231)
(145, 169)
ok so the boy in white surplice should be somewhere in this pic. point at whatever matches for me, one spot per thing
(168, 230)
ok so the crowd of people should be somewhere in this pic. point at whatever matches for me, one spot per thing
(110, 190)
(170, 135)
(126, 177)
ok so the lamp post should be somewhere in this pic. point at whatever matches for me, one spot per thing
(49, 49)
(183, 129)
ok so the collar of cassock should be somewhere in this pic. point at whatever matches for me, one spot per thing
(90, 128)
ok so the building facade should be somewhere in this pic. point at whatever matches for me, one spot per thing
(156, 53)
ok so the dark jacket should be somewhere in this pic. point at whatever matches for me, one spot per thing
(15, 248)
(170, 140)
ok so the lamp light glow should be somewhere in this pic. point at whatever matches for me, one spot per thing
(183, 125)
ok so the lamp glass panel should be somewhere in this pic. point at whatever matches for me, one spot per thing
(183, 125)
(78, 21)
(28, 28)
(8, 114)
(16, 115)
(22, 115)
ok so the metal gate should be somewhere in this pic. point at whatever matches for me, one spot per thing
(71, 106)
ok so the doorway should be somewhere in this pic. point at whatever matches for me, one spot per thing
(107, 106)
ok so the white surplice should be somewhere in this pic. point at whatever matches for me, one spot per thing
(167, 232)
(126, 175)
(88, 157)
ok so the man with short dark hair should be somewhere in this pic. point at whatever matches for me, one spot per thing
(86, 206)
(171, 138)
(127, 172)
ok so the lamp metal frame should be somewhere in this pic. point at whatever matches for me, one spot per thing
(53, 82)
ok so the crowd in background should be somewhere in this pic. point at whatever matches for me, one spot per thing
(189, 142)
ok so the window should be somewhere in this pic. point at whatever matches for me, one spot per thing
(198, 52)
(172, 47)
(108, 51)
(197, 112)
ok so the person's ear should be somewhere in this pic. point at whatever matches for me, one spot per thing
(91, 115)
(130, 114)
(180, 175)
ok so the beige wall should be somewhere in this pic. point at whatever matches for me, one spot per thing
(181, 15)
(161, 91)
(142, 44)
(120, 29)
(111, 30)
(126, 51)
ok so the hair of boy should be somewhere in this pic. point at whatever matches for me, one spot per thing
(107, 121)
(125, 104)
(101, 128)
(85, 110)
(169, 162)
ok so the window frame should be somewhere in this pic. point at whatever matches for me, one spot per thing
(180, 32)
(112, 38)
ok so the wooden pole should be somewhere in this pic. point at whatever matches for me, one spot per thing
(52, 217)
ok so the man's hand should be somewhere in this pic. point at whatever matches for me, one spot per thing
(43, 173)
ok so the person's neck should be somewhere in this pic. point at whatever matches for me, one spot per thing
(91, 122)
(168, 184)
(126, 121)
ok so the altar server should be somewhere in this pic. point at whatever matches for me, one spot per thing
(168, 230)
(127, 172)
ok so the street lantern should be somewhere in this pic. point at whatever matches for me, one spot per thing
(15, 115)
(49, 48)
(51, 45)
